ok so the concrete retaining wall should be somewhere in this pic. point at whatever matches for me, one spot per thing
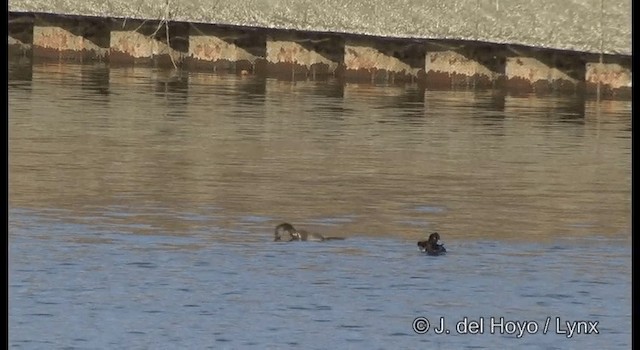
(596, 26)
(451, 46)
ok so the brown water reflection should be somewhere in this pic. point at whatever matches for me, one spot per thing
(146, 147)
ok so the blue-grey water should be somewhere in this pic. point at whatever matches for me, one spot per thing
(142, 205)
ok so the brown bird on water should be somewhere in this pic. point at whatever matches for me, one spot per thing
(431, 246)
(285, 232)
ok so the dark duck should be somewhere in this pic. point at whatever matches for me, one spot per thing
(285, 232)
(431, 246)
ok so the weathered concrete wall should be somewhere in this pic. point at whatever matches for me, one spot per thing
(595, 26)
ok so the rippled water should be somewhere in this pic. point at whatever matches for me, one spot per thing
(142, 205)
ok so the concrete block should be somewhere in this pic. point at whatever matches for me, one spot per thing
(296, 56)
(382, 61)
(20, 34)
(147, 43)
(608, 79)
(228, 49)
(477, 67)
(69, 38)
(544, 72)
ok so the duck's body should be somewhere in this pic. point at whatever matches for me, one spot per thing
(286, 232)
(431, 246)
(303, 235)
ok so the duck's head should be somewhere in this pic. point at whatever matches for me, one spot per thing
(434, 238)
(431, 243)
(284, 232)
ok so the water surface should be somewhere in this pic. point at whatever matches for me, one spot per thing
(142, 206)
